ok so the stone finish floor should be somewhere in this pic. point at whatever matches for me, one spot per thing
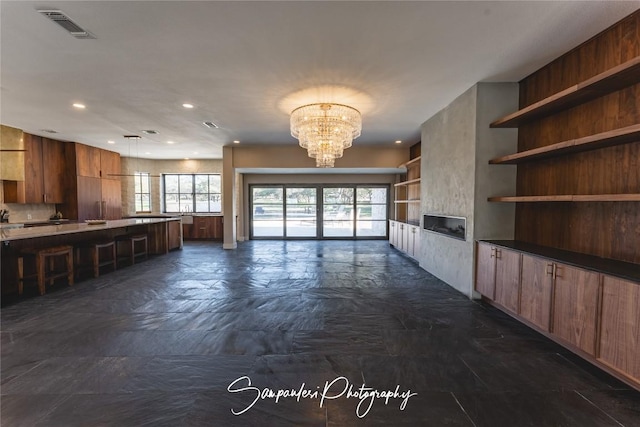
(160, 344)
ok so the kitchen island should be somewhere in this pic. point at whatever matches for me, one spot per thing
(164, 234)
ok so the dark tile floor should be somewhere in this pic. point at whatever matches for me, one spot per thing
(162, 343)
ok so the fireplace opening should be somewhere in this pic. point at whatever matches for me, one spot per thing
(451, 226)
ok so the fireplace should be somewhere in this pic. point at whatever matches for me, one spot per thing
(451, 226)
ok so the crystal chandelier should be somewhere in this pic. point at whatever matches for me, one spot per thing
(325, 130)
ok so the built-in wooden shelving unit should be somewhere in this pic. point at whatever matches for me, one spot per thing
(602, 84)
(614, 79)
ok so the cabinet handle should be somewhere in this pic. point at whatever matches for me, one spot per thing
(555, 271)
(498, 253)
(493, 252)
(550, 269)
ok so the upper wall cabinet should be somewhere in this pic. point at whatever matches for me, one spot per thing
(87, 161)
(93, 162)
(45, 172)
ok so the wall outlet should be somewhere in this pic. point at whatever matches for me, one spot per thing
(28, 216)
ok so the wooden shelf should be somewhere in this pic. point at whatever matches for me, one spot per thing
(410, 162)
(601, 140)
(569, 198)
(616, 78)
(410, 182)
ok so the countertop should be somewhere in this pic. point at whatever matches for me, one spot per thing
(70, 228)
(621, 269)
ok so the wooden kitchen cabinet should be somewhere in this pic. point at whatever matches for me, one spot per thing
(110, 167)
(111, 198)
(575, 306)
(536, 291)
(485, 270)
(498, 275)
(204, 227)
(98, 193)
(620, 326)
(45, 171)
(87, 161)
(507, 285)
(89, 193)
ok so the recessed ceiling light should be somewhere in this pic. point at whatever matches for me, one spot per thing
(79, 106)
(236, 142)
(111, 142)
(398, 142)
(170, 142)
(195, 152)
(186, 158)
(187, 105)
(147, 152)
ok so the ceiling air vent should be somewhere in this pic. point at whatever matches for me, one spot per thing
(150, 132)
(210, 125)
(65, 22)
(131, 136)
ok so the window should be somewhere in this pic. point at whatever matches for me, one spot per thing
(319, 212)
(142, 191)
(192, 193)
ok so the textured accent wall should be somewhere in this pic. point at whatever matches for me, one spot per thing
(457, 144)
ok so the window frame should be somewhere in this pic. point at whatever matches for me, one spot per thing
(138, 195)
(192, 207)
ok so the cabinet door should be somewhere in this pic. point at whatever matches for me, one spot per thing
(109, 165)
(485, 270)
(87, 161)
(620, 327)
(536, 291)
(111, 199)
(508, 279)
(89, 197)
(575, 306)
(54, 170)
(33, 170)
(201, 227)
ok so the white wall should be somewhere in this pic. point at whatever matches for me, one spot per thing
(456, 179)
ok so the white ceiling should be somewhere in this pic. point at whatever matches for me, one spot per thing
(246, 65)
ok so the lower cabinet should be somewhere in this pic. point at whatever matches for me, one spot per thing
(590, 312)
(508, 278)
(204, 228)
(405, 237)
(575, 306)
(498, 275)
(620, 326)
(536, 291)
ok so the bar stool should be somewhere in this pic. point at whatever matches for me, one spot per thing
(47, 266)
(131, 246)
(102, 254)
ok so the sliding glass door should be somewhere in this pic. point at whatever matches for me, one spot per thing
(301, 212)
(319, 212)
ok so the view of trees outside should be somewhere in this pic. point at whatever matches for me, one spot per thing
(142, 190)
(270, 204)
(192, 193)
